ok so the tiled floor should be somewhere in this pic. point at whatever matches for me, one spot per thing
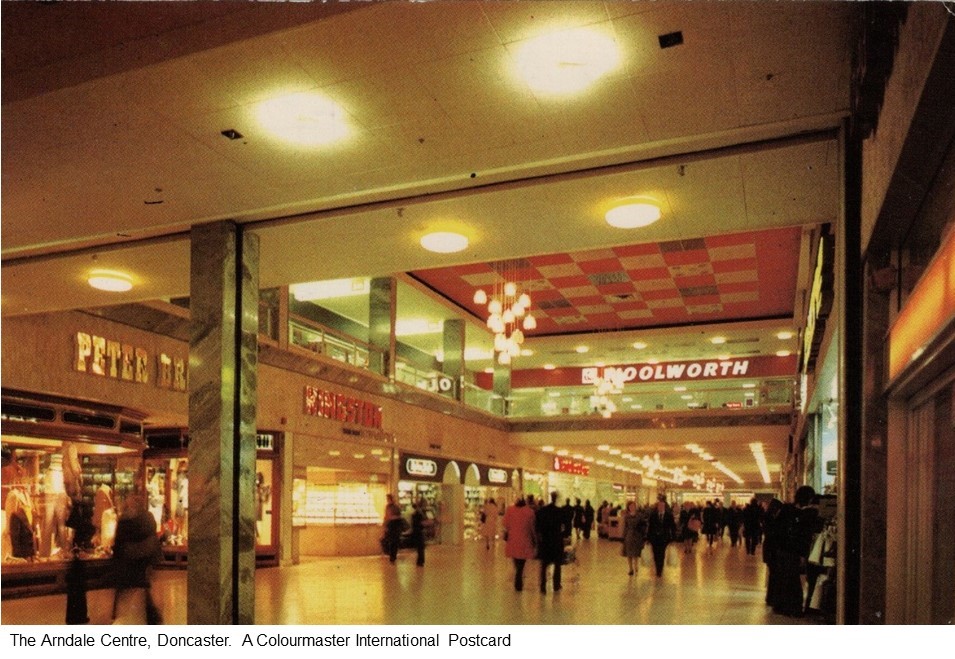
(470, 585)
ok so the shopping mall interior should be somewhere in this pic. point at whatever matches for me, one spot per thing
(266, 264)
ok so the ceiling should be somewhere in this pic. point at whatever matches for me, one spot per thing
(112, 148)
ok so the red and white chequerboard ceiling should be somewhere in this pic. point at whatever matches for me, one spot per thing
(741, 276)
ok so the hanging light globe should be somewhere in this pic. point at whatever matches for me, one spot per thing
(530, 322)
(495, 306)
(510, 289)
(480, 297)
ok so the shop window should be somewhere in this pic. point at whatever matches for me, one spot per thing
(62, 495)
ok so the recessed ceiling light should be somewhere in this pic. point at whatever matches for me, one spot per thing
(785, 334)
(723, 358)
(582, 349)
(110, 280)
(303, 118)
(679, 388)
(526, 352)
(603, 447)
(633, 215)
(444, 242)
(718, 340)
(334, 453)
(687, 396)
(639, 345)
(783, 353)
(566, 62)
(749, 385)
(489, 369)
(563, 452)
(549, 367)
(547, 448)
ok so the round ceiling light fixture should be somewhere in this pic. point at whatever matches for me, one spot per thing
(568, 61)
(633, 214)
(110, 280)
(303, 118)
(444, 242)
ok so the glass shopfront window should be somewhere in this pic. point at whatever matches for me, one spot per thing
(59, 495)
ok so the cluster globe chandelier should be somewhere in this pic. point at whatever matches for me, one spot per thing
(508, 315)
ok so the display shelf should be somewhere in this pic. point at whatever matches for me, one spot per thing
(342, 504)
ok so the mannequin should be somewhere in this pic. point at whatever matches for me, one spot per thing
(182, 494)
(20, 523)
(102, 501)
(72, 472)
(54, 535)
(155, 494)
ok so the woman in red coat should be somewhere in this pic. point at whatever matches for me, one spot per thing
(520, 538)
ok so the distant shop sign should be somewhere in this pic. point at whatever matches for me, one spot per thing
(421, 467)
(670, 371)
(497, 476)
(339, 407)
(565, 466)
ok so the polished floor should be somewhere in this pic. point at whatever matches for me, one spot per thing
(471, 585)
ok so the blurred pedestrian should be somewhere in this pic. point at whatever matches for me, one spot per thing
(520, 538)
(135, 551)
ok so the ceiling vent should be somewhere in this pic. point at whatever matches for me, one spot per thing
(671, 39)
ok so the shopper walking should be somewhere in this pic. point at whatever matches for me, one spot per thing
(711, 523)
(551, 527)
(752, 525)
(661, 530)
(135, 551)
(589, 516)
(634, 536)
(393, 524)
(770, 545)
(691, 527)
(417, 530)
(520, 538)
(489, 515)
(796, 524)
(578, 519)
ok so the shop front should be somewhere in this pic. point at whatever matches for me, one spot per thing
(69, 467)
(166, 487)
(456, 492)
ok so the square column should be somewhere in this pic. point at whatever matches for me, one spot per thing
(382, 308)
(223, 355)
(453, 347)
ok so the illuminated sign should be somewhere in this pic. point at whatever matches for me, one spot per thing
(570, 466)
(340, 407)
(98, 355)
(929, 309)
(421, 467)
(495, 475)
(669, 371)
(820, 303)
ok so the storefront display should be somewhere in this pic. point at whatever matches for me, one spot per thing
(166, 485)
(62, 490)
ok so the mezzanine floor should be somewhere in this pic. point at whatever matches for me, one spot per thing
(471, 585)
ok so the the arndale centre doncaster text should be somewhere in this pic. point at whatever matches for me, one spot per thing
(259, 640)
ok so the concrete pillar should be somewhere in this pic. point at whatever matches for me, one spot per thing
(223, 354)
(453, 365)
(382, 307)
